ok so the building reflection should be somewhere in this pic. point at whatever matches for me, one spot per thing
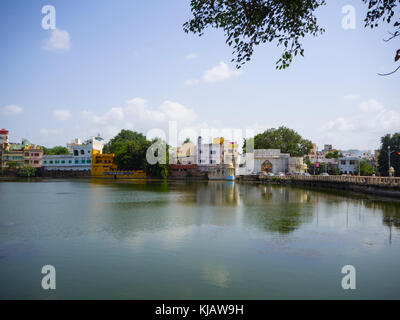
(125, 208)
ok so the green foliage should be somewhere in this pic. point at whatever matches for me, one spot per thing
(58, 150)
(12, 164)
(383, 161)
(130, 150)
(26, 171)
(285, 139)
(248, 23)
(318, 170)
(187, 140)
(365, 168)
(333, 155)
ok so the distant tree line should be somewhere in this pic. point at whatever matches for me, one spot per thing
(57, 150)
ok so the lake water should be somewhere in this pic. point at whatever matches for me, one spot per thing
(199, 240)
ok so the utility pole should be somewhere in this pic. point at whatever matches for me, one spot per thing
(389, 153)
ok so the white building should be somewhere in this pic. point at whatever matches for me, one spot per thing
(349, 165)
(79, 159)
(270, 161)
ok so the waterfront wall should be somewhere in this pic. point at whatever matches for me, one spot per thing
(382, 186)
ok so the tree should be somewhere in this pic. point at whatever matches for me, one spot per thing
(27, 171)
(130, 150)
(187, 140)
(285, 139)
(383, 161)
(247, 23)
(58, 150)
(12, 164)
(334, 155)
(366, 168)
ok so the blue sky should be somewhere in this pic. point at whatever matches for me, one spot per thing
(128, 64)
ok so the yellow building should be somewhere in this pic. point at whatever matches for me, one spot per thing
(104, 165)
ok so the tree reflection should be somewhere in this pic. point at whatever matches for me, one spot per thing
(277, 209)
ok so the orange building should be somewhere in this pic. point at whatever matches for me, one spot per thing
(104, 165)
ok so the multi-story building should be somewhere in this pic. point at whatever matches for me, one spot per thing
(218, 160)
(349, 165)
(33, 156)
(12, 156)
(3, 137)
(220, 151)
(313, 153)
(19, 155)
(105, 165)
(79, 159)
(184, 155)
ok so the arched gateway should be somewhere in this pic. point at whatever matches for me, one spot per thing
(266, 166)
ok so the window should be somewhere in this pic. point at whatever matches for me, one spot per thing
(88, 161)
(69, 161)
(57, 161)
(82, 151)
(51, 161)
(36, 161)
(44, 162)
(352, 162)
(27, 154)
(343, 162)
(76, 153)
(62, 161)
(76, 161)
(83, 161)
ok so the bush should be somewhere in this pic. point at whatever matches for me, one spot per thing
(27, 171)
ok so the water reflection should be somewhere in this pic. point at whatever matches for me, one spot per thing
(126, 207)
(205, 240)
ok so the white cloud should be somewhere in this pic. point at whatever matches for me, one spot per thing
(218, 73)
(59, 41)
(61, 115)
(351, 97)
(363, 129)
(191, 56)
(12, 110)
(139, 116)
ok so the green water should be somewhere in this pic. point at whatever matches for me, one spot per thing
(203, 240)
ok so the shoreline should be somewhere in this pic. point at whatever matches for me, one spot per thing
(365, 190)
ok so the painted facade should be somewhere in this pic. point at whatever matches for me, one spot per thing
(33, 156)
(79, 159)
(3, 137)
(104, 165)
(19, 155)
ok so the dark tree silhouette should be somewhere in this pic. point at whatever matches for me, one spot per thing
(248, 23)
